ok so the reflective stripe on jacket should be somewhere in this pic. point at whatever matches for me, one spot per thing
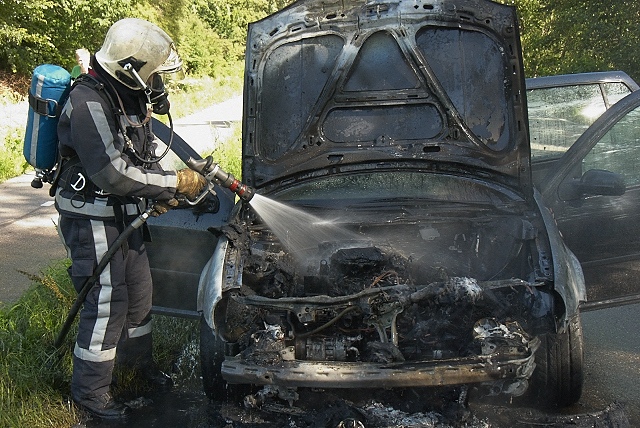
(88, 128)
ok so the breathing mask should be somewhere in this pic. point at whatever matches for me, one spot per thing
(158, 95)
(154, 89)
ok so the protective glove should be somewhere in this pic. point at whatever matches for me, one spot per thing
(190, 183)
(161, 207)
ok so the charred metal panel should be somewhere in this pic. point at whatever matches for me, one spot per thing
(470, 67)
(325, 80)
(348, 375)
(293, 79)
(180, 246)
(176, 257)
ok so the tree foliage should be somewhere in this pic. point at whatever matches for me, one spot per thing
(558, 36)
(230, 18)
(46, 31)
(573, 36)
(209, 33)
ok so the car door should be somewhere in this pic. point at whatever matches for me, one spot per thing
(182, 241)
(594, 194)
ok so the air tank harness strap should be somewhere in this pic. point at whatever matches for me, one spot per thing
(74, 178)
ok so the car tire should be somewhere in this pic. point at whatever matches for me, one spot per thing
(211, 358)
(559, 374)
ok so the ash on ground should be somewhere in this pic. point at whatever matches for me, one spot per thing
(319, 409)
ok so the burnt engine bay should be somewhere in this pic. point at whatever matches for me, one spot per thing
(468, 290)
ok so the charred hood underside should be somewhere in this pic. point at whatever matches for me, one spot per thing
(336, 83)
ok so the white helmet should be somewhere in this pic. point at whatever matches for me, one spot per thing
(134, 49)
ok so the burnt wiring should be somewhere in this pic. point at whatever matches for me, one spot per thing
(377, 279)
(327, 324)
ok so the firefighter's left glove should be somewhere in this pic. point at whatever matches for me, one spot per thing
(161, 207)
(190, 183)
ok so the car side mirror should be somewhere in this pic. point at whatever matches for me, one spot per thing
(594, 182)
(600, 182)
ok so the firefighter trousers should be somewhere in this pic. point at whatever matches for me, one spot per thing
(115, 320)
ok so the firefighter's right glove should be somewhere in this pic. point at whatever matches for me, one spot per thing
(161, 207)
(190, 183)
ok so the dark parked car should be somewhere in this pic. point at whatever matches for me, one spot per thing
(596, 214)
(412, 248)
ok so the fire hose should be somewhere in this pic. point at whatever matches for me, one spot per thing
(104, 261)
(212, 173)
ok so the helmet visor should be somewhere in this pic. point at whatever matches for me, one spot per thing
(172, 64)
(158, 81)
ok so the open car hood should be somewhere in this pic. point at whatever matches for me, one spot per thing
(346, 82)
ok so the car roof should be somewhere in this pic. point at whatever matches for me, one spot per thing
(581, 79)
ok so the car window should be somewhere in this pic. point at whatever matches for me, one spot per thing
(615, 91)
(558, 116)
(619, 150)
(398, 184)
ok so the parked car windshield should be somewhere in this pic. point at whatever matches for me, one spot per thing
(398, 184)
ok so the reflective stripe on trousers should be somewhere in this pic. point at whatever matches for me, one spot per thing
(117, 306)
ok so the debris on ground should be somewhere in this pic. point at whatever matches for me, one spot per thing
(613, 416)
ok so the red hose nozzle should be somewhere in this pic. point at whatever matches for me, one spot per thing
(213, 171)
(242, 190)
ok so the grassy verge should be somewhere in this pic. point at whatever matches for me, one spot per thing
(13, 90)
(34, 377)
(32, 374)
(228, 153)
(12, 162)
(194, 94)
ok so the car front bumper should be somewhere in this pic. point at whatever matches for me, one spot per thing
(326, 374)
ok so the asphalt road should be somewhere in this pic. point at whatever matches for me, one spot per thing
(612, 359)
(28, 237)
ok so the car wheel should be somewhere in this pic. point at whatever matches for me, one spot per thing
(211, 358)
(559, 372)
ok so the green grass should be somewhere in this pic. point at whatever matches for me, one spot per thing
(35, 377)
(228, 153)
(12, 162)
(194, 94)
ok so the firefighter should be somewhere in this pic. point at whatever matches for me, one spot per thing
(109, 171)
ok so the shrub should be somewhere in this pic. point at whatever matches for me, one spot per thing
(12, 162)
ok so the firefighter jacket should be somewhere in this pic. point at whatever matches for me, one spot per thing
(103, 178)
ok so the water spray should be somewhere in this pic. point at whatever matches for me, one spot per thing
(214, 174)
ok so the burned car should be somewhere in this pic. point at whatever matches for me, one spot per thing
(395, 239)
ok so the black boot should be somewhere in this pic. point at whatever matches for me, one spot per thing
(104, 406)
